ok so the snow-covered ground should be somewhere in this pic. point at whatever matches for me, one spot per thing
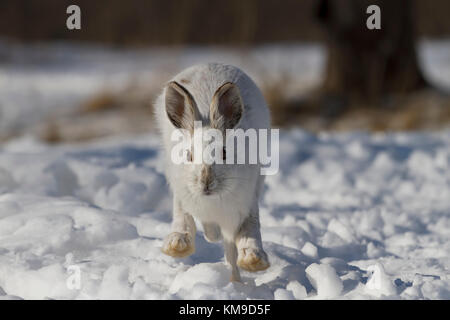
(349, 216)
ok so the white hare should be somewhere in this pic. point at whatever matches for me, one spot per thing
(223, 197)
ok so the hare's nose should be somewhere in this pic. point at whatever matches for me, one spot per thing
(207, 180)
(206, 175)
(206, 190)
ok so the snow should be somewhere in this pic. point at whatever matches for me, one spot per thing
(310, 250)
(283, 294)
(324, 279)
(349, 216)
(379, 282)
(297, 290)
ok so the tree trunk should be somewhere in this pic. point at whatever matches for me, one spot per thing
(363, 64)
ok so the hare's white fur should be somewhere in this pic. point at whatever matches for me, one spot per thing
(234, 210)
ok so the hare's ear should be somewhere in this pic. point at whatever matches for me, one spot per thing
(226, 107)
(180, 106)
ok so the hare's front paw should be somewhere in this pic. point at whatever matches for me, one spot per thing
(178, 245)
(252, 259)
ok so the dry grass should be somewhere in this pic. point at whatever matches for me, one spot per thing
(101, 102)
(427, 109)
(126, 111)
(52, 133)
(130, 111)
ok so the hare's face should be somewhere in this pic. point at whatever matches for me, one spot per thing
(206, 172)
(206, 180)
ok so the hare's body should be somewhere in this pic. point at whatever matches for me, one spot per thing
(221, 97)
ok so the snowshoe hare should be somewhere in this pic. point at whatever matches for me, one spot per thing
(223, 197)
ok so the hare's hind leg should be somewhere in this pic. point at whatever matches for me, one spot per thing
(231, 257)
(251, 255)
(212, 232)
(181, 241)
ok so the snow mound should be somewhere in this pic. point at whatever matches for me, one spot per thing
(208, 274)
(297, 290)
(324, 279)
(283, 294)
(379, 282)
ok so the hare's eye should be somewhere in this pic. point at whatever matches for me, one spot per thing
(224, 153)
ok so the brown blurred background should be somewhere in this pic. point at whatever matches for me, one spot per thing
(165, 22)
(372, 79)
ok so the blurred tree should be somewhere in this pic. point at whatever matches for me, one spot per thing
(365, 65)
